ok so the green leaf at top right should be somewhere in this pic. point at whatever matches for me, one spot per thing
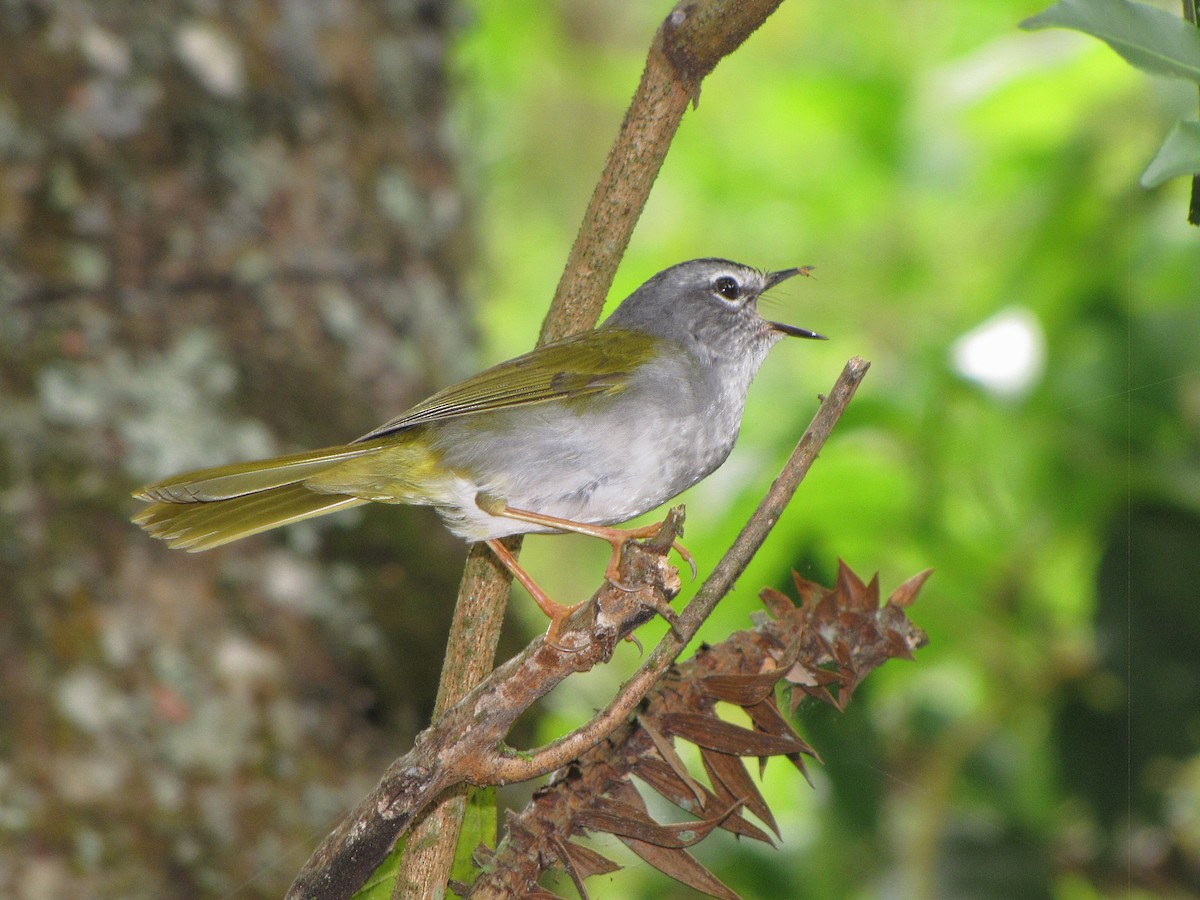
(1149, 38)
(1179, 155)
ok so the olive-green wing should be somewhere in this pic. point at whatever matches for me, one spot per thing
(593, 363)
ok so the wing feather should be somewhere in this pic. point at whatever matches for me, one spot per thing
(597, 362)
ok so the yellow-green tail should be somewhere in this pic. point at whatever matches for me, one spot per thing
(204, 509)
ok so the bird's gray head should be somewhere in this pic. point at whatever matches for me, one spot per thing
(708, 304)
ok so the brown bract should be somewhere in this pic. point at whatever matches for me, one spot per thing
(833, 638)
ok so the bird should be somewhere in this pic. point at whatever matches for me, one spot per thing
(580, 434)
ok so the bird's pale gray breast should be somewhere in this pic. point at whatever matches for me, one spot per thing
(603, 458)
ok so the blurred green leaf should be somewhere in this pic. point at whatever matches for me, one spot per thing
(479, 827)
(1148, 38)
(382, 881)
(1179, 155)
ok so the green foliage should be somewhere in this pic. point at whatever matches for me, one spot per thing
(1179, 155)
(1155, 42)
(1149, 38)
(383, 880)
(479, 827)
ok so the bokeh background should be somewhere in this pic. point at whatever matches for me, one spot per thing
(232, 229)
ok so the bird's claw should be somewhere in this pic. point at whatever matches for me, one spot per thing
(687, 558)
(556, 624)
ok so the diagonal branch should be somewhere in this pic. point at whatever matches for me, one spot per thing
(461, 745)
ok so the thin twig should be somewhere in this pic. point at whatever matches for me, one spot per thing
(1189, 14)
(470, 655)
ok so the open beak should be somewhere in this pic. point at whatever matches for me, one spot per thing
(774, 278)
(793, 331)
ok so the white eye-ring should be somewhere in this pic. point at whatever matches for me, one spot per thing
(727, 287)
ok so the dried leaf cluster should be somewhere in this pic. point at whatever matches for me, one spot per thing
(822, 648)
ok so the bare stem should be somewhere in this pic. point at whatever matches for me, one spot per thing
(1189, 13)
(470, 656)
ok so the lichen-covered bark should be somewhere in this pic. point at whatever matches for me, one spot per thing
(226, 229)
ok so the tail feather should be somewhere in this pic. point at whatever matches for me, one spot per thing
(200, 510)
(239, 479)
(204, 525)
(190, 521)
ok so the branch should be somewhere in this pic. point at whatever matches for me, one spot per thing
(457, 748)
(692, 39)
(461, 745)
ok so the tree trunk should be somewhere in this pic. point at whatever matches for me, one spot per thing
(223, 234)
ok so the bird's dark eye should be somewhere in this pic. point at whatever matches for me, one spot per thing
(727, 287)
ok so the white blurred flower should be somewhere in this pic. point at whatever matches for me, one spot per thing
(1005, 354)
